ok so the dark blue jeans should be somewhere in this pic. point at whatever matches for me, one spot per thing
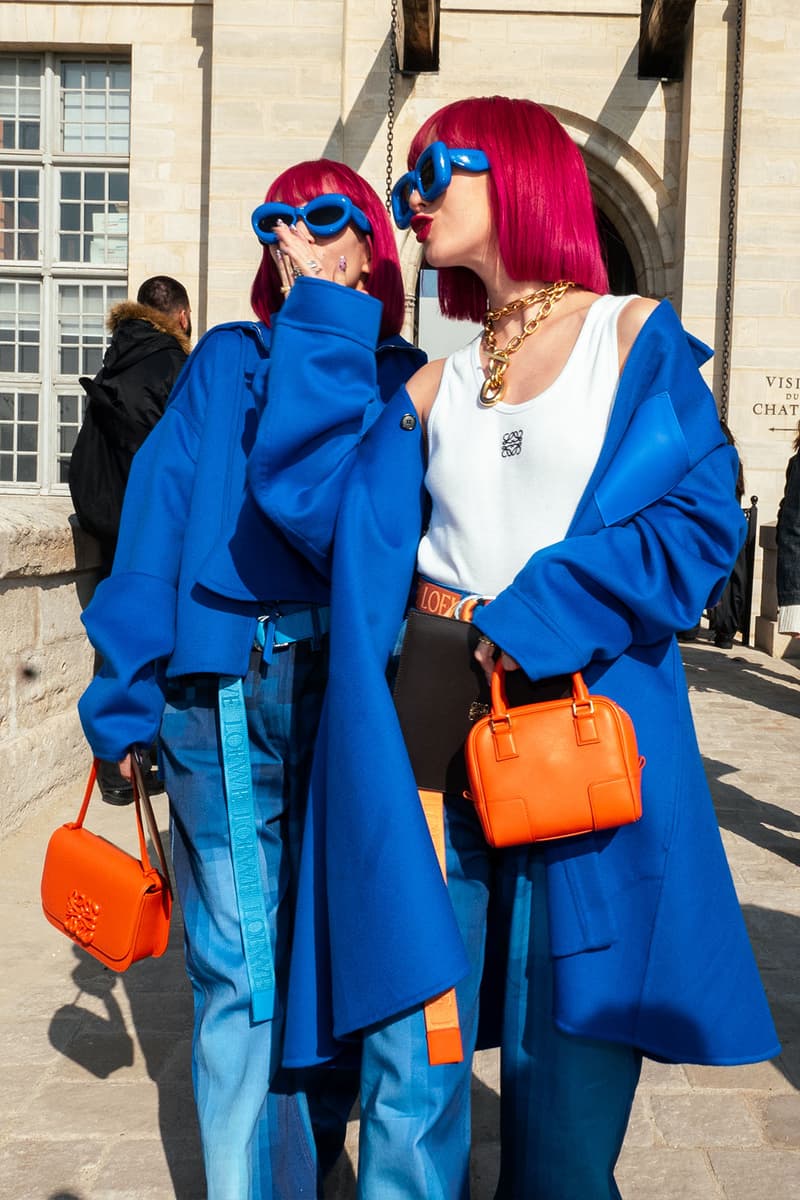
(565, 1101)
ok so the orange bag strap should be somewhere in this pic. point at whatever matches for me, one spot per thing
(502, 725)
(580, 692)
(141, 800)
(87, 795)
(441, 1013)
(499, 701)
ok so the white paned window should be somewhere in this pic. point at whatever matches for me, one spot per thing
(64, 146)
(20, 102)
(80, 324)
(96, 98)
(19, 435)
(19, 214)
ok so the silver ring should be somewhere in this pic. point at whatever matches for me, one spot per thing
(313, 265)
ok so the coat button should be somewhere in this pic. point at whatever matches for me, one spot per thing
(407, 421)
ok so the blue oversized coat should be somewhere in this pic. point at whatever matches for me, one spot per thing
(196, 559)
(647, 938)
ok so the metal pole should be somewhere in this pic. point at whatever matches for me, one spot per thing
(730, 250)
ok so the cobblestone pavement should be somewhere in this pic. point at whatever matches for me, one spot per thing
(96, 1097)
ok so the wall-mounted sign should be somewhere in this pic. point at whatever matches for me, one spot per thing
(782, 397)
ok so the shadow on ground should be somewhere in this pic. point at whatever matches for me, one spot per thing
(711, 670)
(161, 1018)
(776, 943)
(770, 826)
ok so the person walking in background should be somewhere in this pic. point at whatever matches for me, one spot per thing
(567, 471)
(150, 342)
(787, 536)
(726, 617)
(213, 630)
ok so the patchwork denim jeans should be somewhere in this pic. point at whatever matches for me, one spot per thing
(267, 1133)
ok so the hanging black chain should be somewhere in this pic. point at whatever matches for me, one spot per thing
(390, 106)
(730, 251)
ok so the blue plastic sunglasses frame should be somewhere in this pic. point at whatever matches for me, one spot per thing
(431, 176)
(323, 216)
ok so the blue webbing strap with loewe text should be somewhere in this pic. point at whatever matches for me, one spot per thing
(244, 848)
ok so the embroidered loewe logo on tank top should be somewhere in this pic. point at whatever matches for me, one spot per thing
(506, 481)
(511, 443)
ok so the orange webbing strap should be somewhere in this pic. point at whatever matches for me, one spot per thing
(441, 1013)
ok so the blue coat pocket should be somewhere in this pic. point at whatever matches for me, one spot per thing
(581, 917)
(650, 460)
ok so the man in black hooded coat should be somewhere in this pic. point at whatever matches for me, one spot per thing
(149, 345)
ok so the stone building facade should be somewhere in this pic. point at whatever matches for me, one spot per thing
(220, 96)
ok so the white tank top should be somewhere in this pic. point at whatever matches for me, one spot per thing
(506, 481)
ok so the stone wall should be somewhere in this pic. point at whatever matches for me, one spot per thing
(47, 575)
(765, 349)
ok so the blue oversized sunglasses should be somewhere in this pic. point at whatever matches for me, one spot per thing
(431, 176)
(323, 217)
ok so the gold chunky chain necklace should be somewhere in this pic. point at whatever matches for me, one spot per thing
(495, 384)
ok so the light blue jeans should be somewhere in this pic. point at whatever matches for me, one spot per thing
(565, 1101)
(267, 1133)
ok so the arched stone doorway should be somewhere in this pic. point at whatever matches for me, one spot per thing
(621, 272)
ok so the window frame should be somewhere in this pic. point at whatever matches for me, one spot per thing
(49, 271)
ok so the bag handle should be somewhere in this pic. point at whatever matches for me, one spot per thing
(87, 795)
(140, 800)
(581, 698)
(499, 699)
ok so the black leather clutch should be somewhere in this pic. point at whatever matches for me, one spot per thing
(440, 691)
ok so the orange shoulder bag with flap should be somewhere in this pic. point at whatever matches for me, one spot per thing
(111, 904)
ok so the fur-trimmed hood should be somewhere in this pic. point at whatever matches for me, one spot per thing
(131, 310)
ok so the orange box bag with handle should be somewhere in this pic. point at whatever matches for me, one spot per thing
(113, 905)
(553, 769)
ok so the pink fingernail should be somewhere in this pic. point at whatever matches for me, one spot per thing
(342, 263)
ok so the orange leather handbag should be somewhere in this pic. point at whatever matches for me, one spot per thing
(553, 769)
(116, 907)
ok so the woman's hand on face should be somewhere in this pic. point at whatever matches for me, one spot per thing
(296, 254)
(485, 653)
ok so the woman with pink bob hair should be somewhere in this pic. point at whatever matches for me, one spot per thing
(383, 280)
(214, 636)
(541, 204)
(565, 479)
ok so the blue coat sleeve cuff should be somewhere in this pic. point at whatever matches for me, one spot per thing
(123, 704)
(322, 382)
(320, 306)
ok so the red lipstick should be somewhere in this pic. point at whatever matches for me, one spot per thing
(421, 226)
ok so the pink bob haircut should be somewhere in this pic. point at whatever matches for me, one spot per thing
(540, 198)
(314, 178)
